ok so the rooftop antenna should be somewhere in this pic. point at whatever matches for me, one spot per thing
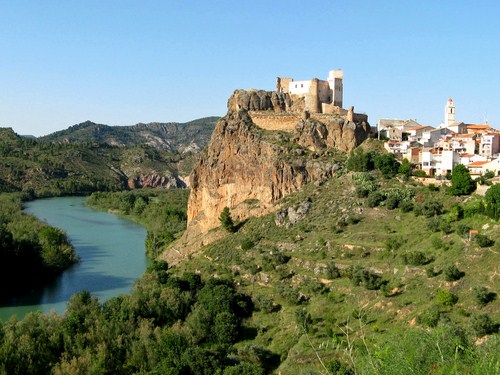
(486, 118)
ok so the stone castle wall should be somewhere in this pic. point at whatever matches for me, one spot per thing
(275, 121)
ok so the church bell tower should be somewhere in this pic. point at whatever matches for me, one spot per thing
(449, 113)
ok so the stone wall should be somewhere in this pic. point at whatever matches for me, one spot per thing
(275, 121)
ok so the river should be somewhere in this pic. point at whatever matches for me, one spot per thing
(111, 251)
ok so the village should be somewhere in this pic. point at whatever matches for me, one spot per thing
(436, 151)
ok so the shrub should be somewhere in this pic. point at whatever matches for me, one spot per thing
(484, 325)
(456, 213)
(374, 199)
(393, 243)
(429, 208)
(430, 317)
(416, 258)
(339, 368)
(446, 298)
(463, 230)
(434, 224)
(482, 295)
(247, 244)
(446, 227)
(332, 271)
(406, 205)
(431, 272)
(366, 278)
(484, 241)
(419, 173)
(452, 273)
(392, 202)
(437, 243)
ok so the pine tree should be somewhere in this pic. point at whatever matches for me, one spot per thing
(226, 220)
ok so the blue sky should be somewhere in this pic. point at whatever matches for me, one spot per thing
(124, 62)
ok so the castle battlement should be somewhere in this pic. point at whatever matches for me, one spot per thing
(320, 96)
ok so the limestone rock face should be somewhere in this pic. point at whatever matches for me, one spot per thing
(244, 171)
(155, 181)
(259, 100)
(336, 133)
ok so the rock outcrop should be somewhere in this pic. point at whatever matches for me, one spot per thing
(336, 132)
(248, 168)
(155, 181)
(247, 172)
(261, 100)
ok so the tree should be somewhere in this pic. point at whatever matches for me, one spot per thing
(461, 181)
(226, 220)
(492, 198)
(387, 165)
(360, 161)
(405, 168)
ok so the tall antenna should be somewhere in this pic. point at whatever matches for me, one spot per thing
(485, 117)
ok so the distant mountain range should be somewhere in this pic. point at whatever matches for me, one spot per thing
(190, 136)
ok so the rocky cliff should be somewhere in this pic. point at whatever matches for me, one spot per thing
(248, 169)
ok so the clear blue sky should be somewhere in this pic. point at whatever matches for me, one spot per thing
(122, 62)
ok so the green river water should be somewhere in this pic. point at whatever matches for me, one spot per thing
(111, 251)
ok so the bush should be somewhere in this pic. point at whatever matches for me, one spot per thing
(392, 202)
(419, 173)
(434, 224)
(374, 199)
(430, 317)
(463, 230)
(387, 165)
(337, 367)
(247, 244)
(429, 208)
(393, 243)
(332, 271)
(406, 205)
(366, 278)
(484, 325)
(446, 298)
(482, 295)
(416, 258)
(452, 273)
(484, 241)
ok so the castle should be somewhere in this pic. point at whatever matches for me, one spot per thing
(321, 96)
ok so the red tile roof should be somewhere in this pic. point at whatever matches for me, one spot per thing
(477, 163)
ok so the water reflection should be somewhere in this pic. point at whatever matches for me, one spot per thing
(111, 253)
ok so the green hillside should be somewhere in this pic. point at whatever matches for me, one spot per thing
(176, 137)
(376, 287)
(51, 168)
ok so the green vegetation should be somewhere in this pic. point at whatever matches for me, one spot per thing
(226, 220)
(170, 136)
(168, 325)
(28, 246)
(51, 169)
(380, 277)
(461, 181)
(162, 212)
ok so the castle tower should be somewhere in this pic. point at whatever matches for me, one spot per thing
(335, 80)
(449, 113)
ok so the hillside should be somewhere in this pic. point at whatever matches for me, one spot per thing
(66, 168)
(191, 136)
(335, 278)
